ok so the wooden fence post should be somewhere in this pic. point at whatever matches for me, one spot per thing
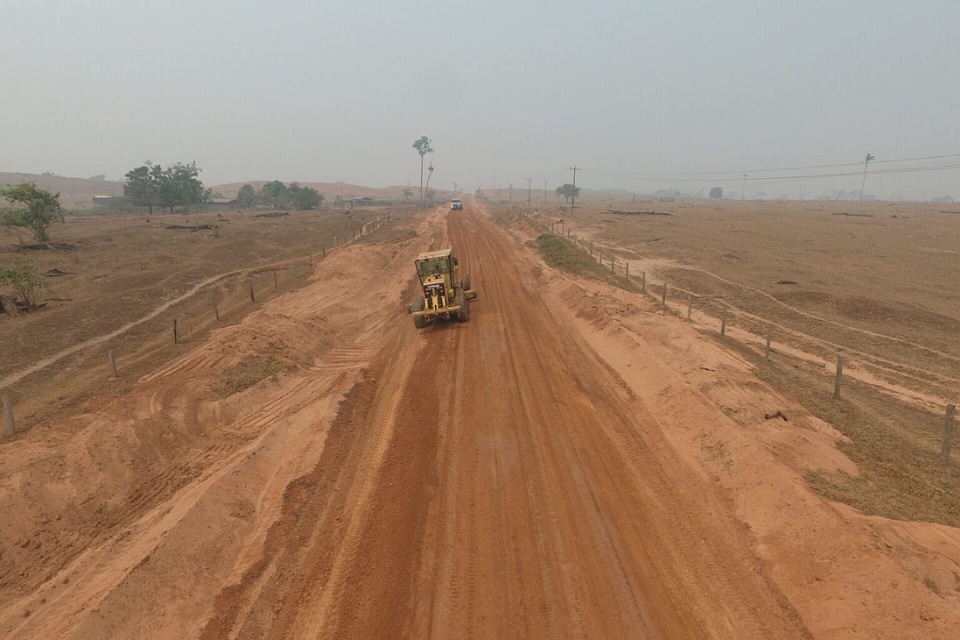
(276, 285)
(8, 409)
(296, 269)
(839, 379)
(766, 353)
(723, 321)
(643, 282)
(113, 362)
(323, 249)
(689, 305)
(253, 298)
(663, 300)
(176, 335)
(947, 433)
(627, 267)
(216, 308)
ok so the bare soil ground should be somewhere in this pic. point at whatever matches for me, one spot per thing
(572, 462)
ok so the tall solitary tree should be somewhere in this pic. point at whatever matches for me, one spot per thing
(37, 210)
(422, 145)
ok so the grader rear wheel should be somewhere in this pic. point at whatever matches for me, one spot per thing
(418, 321)
(463, 315)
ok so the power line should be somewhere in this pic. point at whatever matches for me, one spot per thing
(810, 176)
(769, 170)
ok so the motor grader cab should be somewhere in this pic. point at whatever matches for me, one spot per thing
(445, 294)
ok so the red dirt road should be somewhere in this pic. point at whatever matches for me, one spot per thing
(531, 473)
(505, 489)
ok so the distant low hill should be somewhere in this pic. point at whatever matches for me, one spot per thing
(77, 193)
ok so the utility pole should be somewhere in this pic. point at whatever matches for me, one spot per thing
(544, 193)
(744, 187)
(573, 199)
(529, 182)
(864, 181)
(511, 193)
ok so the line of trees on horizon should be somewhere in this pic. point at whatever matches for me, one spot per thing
(276, 194)
(179, 185)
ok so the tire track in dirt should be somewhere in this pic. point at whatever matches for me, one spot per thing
(190, 481)
(494, 482)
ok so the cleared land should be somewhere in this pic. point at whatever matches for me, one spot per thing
(572, 462)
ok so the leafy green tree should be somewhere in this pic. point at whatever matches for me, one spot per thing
(150, 185)
(716, 192)
(180, 186)
(273, 193)
(36, 210)
(567, 191)
(407, 194)
(306, 198)
(246, 197)
(23, 278)
(422, 145)
(142, 187)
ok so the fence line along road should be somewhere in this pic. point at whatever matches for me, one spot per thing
(17, 376)
(588, 248)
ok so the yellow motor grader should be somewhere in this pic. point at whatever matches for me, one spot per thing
(446, 294)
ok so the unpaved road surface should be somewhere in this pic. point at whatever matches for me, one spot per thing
(567, 464)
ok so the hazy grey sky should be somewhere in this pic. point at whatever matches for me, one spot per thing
(507, 90)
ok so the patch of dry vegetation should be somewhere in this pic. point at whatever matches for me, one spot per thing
(247, 373)
(896, 446)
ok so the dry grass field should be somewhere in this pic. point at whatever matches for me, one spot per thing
(878, 283)
(120, 269)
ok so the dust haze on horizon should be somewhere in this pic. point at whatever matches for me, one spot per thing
(641, 95)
